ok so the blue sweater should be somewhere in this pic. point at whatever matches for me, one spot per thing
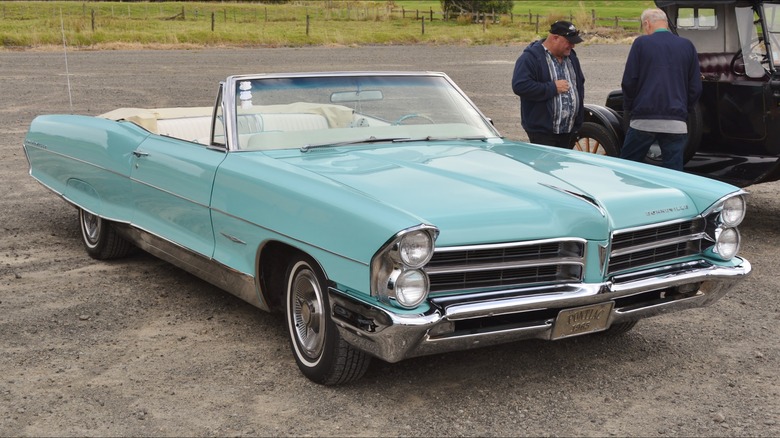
(532, 81)
(662, 79)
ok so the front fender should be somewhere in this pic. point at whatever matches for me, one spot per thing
(606, 117)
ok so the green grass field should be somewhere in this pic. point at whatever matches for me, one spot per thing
(96, 25)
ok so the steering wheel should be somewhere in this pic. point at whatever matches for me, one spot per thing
(412, 116)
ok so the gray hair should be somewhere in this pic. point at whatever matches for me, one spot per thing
(652, 15)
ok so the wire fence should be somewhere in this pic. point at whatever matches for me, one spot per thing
(293, 11)
(167, 23)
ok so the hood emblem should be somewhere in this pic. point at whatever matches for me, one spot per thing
(667, 210)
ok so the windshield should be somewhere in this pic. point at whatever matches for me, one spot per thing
(772, 24)
(300, 112)
(751, 43)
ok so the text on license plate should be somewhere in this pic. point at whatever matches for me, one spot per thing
(581, 320)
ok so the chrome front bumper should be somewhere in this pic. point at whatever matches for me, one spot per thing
(478, 320)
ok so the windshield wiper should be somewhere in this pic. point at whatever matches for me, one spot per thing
(371, 139)
(429, 138)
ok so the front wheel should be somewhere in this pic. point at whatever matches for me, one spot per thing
(620, 328)
(320, 352)
(596, 139)
(100, 239)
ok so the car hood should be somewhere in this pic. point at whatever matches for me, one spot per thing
(504, 191)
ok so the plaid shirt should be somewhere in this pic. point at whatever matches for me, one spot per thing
(564, 104)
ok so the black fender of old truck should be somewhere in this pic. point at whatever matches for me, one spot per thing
(607, 118)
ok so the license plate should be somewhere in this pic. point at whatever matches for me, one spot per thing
(582, 320)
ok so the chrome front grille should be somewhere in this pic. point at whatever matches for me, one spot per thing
(506, 265)
(645, 246)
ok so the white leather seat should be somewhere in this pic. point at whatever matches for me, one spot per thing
(293, 121)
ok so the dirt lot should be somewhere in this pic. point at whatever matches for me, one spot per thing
(139, 348)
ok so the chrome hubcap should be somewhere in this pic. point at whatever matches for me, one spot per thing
(307, 313)
(90, 225)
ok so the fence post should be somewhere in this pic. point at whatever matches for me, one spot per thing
(484, 22)
(616, 22)
(422, 21)
(537, 24)
(593, 17)
(212, 22)
(307, 24)
(431, 14)
(93, 20)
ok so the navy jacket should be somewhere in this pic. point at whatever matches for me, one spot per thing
(532, 81)
(662, 79)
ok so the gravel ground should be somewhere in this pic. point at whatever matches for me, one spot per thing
(139, 348)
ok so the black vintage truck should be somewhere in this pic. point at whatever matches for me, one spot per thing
(734, 130)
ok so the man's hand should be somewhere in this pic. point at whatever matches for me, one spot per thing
(562, 86)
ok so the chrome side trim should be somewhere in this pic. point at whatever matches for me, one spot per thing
(169, 193)
(243, 286)
(232, 238)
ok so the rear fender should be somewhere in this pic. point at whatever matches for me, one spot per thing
(83, 195)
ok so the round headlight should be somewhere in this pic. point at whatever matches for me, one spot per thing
(411, 288)
(727, 243)
(733, 211)
(415, 249)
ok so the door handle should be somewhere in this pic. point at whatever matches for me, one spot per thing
(140, 154)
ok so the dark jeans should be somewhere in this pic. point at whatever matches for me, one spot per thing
(637, 143)
(560, 140)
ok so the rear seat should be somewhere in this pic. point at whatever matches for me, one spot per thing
(293, 121)
(187, 128)
(194, 124)
(717, 67)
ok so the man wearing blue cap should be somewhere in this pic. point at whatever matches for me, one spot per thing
(549, 80)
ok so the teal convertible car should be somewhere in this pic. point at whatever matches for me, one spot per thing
(386, 217)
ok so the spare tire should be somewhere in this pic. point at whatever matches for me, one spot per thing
(597, 139)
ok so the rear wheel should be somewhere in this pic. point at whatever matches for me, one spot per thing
(596, 139)
(320, 352)
(100, 239)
